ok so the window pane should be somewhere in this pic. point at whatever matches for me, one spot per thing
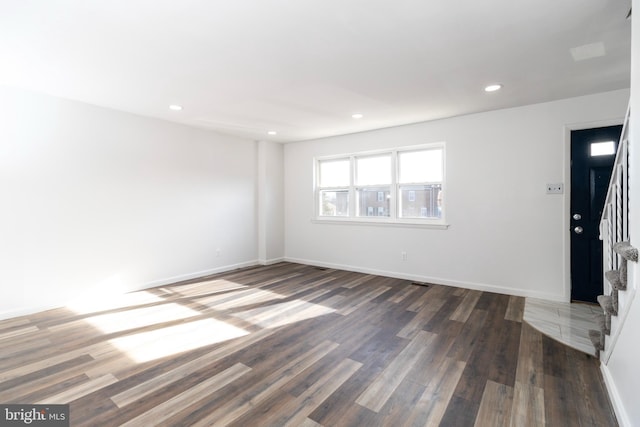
(373, 170)
(420, 166)
(421, 201)
(606, 148)
(334, 203)
(374, 201)
(334, 173)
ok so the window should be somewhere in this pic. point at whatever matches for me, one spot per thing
(420, 183)
(373, 184)
(334, 183)
(402, 186)
(606, 148)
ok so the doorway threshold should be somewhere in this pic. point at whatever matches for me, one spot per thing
(568, 323)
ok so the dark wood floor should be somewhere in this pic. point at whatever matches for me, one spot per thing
(296, 345)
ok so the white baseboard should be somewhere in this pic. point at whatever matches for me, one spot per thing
(435, 280)
(197, 274)
(614, 396)
(270, 261)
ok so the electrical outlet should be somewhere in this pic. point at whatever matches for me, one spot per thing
(218, 252)
(404, 255)
(555, 188)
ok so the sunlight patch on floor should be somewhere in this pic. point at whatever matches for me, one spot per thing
(140, 317)
(218, 295)
(147, 346)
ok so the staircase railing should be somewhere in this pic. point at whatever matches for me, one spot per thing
(614, 233)
(614, 223)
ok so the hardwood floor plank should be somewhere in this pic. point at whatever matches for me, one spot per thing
(503, 366)
(515, 309)
(402, 403)
(466, 306)
(495, 406)
(19, 332)
(407, 291)
(430, 363)
(308, 422)
(440, 322)
(285, 313)
(42, 391)
(466, 341)
(142, 389)
(16, 322)
(29, 384)
(161, 412)
(528, 405)
(47, 362)
(78, 391)
(586, 381)
(434, 401)
(480, 364)
(376, 395)
(14, 352)
(555, 357)
(461, 412)
(429, 293)
(357, 281)
(425, 314)
(113, 364)
(355, 304)
(372, 353)
(530, 363)
(560, 408)
(259, 392)
(294, 289)
(204, 288)
(295, 411)
(239, 299)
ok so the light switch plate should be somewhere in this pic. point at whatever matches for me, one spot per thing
(555, 188)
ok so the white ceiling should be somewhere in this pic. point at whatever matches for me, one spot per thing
(303, 67)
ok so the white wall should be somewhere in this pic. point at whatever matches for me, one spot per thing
(95, 200)
(506, 234)
(270, 202)
(623, 370)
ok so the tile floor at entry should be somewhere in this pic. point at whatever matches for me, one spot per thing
(566, 322)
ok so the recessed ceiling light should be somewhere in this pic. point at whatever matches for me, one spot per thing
(493, 87)
(357, 116)
(272, 132)
(175, 107)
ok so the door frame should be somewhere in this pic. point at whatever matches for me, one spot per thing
(566, 199)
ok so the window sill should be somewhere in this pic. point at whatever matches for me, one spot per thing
(383, 223)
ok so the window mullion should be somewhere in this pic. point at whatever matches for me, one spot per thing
(393, 190)
(352, 190)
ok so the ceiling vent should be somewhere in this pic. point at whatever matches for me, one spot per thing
(588, 51)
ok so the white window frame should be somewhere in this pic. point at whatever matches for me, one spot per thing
(394, 219)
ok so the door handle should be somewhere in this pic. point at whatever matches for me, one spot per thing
(578, 230)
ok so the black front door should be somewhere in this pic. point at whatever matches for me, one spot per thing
(592, 157)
